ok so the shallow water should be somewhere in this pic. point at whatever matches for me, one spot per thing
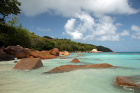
(77, 81)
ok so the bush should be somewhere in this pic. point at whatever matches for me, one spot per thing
(48, 45)
(40, 43)
(71, 46)
(14, 36)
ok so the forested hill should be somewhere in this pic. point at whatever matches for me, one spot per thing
(67, 44)
(17, 35)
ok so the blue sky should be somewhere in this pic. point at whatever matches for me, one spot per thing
(111, 23)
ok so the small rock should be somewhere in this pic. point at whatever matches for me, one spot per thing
(75, 60)
(15, 61)
(63, 58)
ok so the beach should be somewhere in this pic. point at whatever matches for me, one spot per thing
(76, 81)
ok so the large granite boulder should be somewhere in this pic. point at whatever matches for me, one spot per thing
(95, 51)
(6, 57)
(41, 54)
(18, 51)
(65, 68)
(60, 53)
(46, 52)
(75, 60)
(29, 63)
(34, 53)
(47, 56)
(65, 53)
(54, 51)
(131, 81)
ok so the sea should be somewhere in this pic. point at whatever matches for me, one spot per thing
(76, 81)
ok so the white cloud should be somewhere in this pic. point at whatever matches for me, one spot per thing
(76, 35)
(76, 30)
(136, 30)
(43, 29)
(70, 30)
(118, 24)
(109, 38)
(124, 33)
(70, 8)
(105, 26)
(86, 28)
(82, 25)
(70, 25)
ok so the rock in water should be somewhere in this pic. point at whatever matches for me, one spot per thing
(15, 61)
(65, 53)
(54, 51)
(66, 68)
(29, 63)
(63, 58)
(114, 53)
(75, 60)
(127, 81)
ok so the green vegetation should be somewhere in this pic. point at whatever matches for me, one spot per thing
(104, 49)
(71, 46)
(14, 36)
(8, 7)
(17, 35)
(40, 43)
(67, 44)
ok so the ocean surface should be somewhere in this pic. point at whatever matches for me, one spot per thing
(77, 81)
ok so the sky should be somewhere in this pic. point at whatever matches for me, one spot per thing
(111, 23)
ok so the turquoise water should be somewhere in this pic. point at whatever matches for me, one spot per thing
(77, 81)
